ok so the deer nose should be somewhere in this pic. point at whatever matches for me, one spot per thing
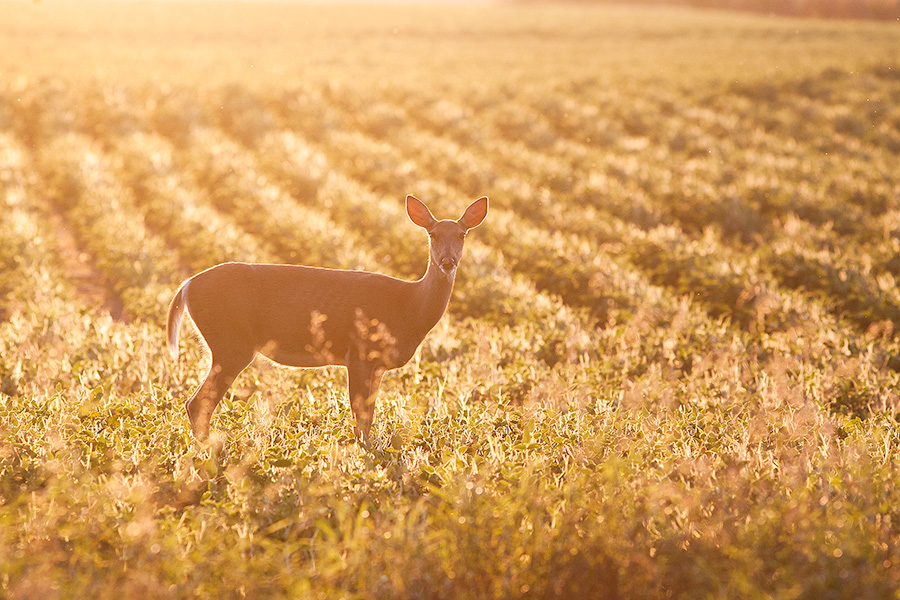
(448, 264)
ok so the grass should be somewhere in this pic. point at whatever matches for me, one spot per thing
(670, 364)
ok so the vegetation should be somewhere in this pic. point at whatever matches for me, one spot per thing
(842, 9)
(670, 366)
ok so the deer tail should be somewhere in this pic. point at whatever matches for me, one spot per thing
(176, 314)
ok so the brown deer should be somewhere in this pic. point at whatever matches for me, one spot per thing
(312, 317)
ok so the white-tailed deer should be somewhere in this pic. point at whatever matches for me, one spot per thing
(313, 317)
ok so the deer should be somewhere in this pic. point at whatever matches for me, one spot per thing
(304, 316)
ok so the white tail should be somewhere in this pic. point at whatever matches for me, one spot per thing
(176, 314)
(312, 317)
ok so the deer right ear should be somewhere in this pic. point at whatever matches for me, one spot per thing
(419, 213)
(475, 214)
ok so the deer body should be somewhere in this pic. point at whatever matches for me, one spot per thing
(311, 317)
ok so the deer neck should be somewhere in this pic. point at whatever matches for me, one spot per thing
(433, 293)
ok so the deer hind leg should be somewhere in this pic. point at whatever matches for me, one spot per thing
(364, 380)
(206, 398)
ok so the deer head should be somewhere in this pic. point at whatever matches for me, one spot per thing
(446, 237)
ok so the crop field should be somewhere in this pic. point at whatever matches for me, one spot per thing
(670, 367)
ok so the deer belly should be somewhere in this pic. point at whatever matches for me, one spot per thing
(298, 358)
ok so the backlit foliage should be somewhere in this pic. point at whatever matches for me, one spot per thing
(669, 368)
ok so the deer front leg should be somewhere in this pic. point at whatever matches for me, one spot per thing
(363, 378)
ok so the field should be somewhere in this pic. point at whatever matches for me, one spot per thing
(670, 367)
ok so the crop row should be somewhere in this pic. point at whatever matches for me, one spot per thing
(554, 271)
(372, 221)
(287, 159)
(172, 205)
(736, 149)
(565, 271)
(200, 153)
(555, 262)
(238, 175)
(680, 194)
(738, 282)
(723, 285)
(19, 254)
(53, 298)
(217, 182)
(30, 282)
(80, 181)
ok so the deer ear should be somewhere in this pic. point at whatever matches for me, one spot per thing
(475, 214)
(419, 213)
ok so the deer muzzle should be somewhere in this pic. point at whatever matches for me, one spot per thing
(448, 265)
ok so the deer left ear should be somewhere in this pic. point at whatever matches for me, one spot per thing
(475, 214)
(419, 213)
